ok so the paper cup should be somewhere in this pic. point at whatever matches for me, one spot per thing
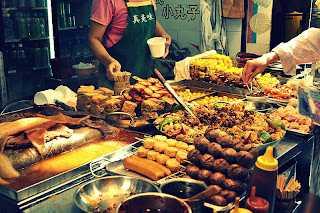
(157, 46)
(47, 97)
(66, 91)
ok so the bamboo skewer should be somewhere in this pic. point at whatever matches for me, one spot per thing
(122, 76)
(288, 191)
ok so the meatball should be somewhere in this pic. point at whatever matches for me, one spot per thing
(215, 150)
(217, 187)
(230, 196)
(194, 156)
(148, 143)
(204, 174)
(234, 185)
(162, 159)
(170, 151)
(190, 147)
(181, 156)
(220, 165)
(225, 141)
(142, 152)
(182, 145)
(160, 146)
(173, 165)
(206, 161)
(245, 159)
(160, 138)
(218, 200)
(254, 151)
(201, 143)
(211, 134)
(192, 171)
(217, 178)
(151, 155)
(229, 155)
(171, 142)
(238, 172)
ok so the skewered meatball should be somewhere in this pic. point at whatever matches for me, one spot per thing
(238, 172)
(254, 151)
(234, 185)
(170, 151)
(182, 145)
(225, 141)
(162, 159)
(148, 143)
(206, 161)
(152, 155)
(204, 174)
(215, 150)
(218, 188)
(142, 152)
(229, 155)
(218, 200)
(160, 146)
(245, 159)
(190, 147)
(181, 156)
(230, 196)
(162, 138)
(201, 143)
(217, 178)
(220, 165)
(194, 156)
(171, 142)
(173, 165)
(211, 134)
(192, 171)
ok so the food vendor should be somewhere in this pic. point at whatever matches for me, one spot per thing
(118, 36)
(304, 48)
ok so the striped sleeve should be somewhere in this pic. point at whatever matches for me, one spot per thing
(304, 48)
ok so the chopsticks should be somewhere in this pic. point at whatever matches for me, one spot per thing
(122, 76)
(288, 191)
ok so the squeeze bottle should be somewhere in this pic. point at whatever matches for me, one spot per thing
(237, 209)
(264, 178)
(256, 204)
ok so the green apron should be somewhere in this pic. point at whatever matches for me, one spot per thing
(132, 50)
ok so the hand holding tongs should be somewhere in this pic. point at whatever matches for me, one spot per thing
(249, 88)
(173, 93)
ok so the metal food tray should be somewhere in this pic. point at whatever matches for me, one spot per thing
(298, 133)
(37, 192)
(114, 166)
(212, 86)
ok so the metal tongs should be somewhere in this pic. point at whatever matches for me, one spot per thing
(249, 88)
(173, 93)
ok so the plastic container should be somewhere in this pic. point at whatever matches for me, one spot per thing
(157, 46)
(256, 204)
(61, 67)
(47, 96)
(264, 178)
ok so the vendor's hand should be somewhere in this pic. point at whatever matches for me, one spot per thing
(253, 68)
(113, 67)
(167, 43)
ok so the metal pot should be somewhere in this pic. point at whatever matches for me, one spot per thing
(153, 202)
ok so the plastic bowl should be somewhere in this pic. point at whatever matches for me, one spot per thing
(108, 192)
(83, 70)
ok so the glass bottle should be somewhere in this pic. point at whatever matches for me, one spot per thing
(8, 24)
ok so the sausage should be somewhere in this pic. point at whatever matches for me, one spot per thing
(144, 167)
(156, 164)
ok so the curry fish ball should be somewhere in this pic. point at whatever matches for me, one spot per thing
(142, 152)
(160, 146)
(173, 165)
(182, 145)
(170, 151)
(171, 142)
(149, 143)
(190, 147)
(181, 156)
(160, 137)
(152, 155)
(162, 159)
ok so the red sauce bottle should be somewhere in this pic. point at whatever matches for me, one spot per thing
(256, 204)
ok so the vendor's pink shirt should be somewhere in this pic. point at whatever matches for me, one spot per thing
(113, 14)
